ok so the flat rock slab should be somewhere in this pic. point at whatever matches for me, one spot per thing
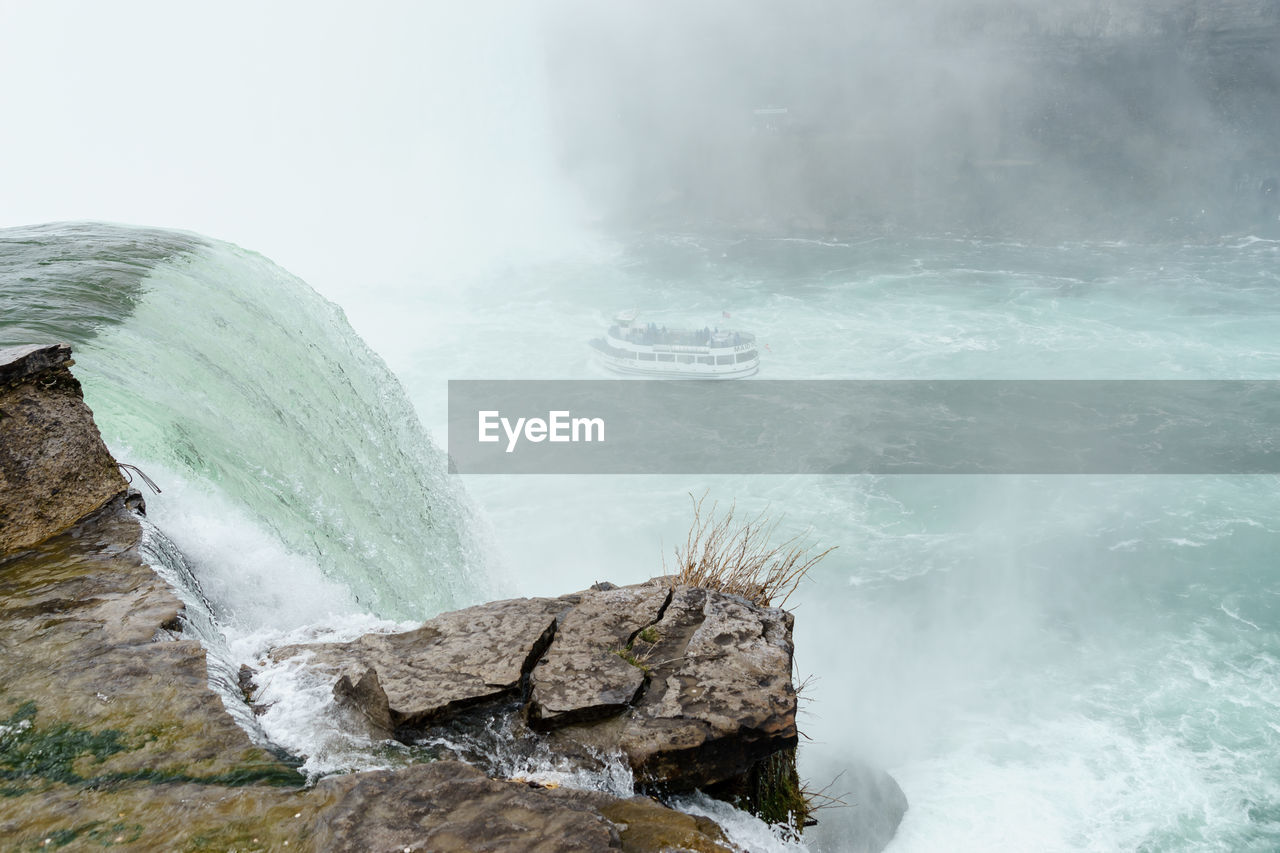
(591, 670)
(453, 662)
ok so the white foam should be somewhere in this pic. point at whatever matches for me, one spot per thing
(250, 578)
(265, 597)
(747, 834)
(505, 755)
(302, 717)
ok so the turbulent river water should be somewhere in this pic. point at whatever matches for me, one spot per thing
(1043, 663)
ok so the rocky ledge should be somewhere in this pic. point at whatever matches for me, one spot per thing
(691, 686)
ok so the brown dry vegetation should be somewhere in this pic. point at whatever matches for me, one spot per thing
(726, 554)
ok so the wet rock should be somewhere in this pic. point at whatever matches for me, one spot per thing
(449, 806)
(54, 468)
(725, 701)
(453, 662)
(86, 628)
(111, 729)
(693, 687)
(719, 695)
(590, 670)
(367, 698)
(645, 825)
(877, 808)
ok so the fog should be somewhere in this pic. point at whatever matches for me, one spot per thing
(1045, 120)
(384, 148)
(396, 146)
(1041, 119)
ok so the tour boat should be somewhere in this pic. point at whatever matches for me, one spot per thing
(654, 351)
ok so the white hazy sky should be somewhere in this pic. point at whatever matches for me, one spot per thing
(359, 146)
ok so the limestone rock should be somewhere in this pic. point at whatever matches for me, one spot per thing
(590, 671)
(880, 807)
(726, 701)
(113, 738)
(719, 698)
(367, 698)
(693, 687)
(645, 825)
(453, 662)
(54, 468)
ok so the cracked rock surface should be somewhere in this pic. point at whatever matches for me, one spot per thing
(453, 662)
(690, 686)
(720, 700)
(585, 673)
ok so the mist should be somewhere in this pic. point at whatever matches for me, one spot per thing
(401, 146)
(1037, 120)
(388, 149)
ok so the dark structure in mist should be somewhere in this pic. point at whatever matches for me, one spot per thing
(1078, 118)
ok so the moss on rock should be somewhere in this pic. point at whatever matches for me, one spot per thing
(770, 790)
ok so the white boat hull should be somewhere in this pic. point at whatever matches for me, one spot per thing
(675, 370)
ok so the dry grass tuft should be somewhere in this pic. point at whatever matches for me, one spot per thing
(736, 556)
